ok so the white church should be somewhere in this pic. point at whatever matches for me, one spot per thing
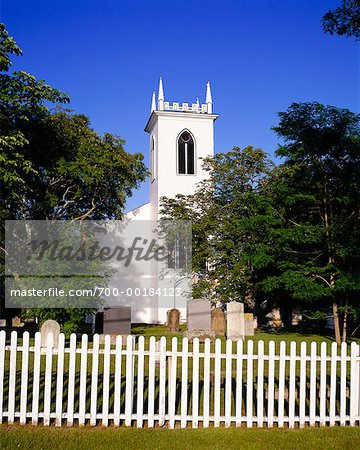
(180, 134)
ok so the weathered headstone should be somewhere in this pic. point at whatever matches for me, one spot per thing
(330, 325)
(199, 320)
(218, 322)
(296, 316)
(274, 318)
(173, 320)
(50, 326)
(117, 320)
(255, 323)
(235, 321)
(198, 314)
(249, 324)
(16, 322)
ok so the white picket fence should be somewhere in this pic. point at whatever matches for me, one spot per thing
(144, 383)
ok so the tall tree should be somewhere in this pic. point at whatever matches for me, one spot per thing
(319, 191)
(225, 211)
(53, 164)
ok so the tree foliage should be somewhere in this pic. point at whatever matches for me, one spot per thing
(287, 234)
(53, 164)
(344, 20)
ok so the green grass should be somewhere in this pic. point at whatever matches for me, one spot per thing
(27, 437)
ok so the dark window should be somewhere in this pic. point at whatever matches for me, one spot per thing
(177, 253)
(152, 162)
(186, 154)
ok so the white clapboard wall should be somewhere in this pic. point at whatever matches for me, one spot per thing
(147, 383)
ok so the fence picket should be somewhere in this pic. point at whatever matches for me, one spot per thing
(140, 383)
(302, 390)
(292, 380)
(217, 382)
(206, 401)
(94, 379)
(260, 385)
(195, 384)
(162, 382)
(333, 382)
(83, 375)
(117, 389)
(239, 375)
(48, 378)
(129, 394)
(172, 382)
(228, 383)
(36, 380)
(313, 363)
(59, 380)
(24, 377)
(271, 384)
(343, 370)
(151, 386)
(71, 383)
(354, 382)
(323, 384)
(2, 369)
(184, 382)
(106, 381)
(249, 384)
(281, 397)
(12, 377)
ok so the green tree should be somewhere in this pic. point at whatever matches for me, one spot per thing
(287, 234)
(318, 191)
(225, 211)
(53, 164)
(344, 20)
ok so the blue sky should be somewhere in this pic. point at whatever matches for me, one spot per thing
(260, 55)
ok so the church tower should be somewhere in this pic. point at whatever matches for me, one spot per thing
(180, 135)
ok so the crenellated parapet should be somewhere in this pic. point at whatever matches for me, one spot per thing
(162, 105)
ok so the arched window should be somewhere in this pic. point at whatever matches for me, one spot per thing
(152, 159)
(186, 154)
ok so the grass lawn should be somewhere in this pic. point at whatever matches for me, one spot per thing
(266, 336)
(27, 437)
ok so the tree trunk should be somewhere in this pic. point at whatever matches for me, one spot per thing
(336, 323)
(345, 317)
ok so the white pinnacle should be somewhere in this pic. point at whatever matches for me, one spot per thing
(161, 90)
(153, 102)
(208, 93)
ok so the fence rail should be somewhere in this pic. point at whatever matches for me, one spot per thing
(145, 383)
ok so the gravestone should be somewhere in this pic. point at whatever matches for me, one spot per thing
(274, 318)
(198, 314)
(117, 320)
(199, 320)
(50, 326)
(249, 324)
(173, 320)
(235, 321)
(16, 322)
(255, 323)
(218, 322)
(296, 316)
